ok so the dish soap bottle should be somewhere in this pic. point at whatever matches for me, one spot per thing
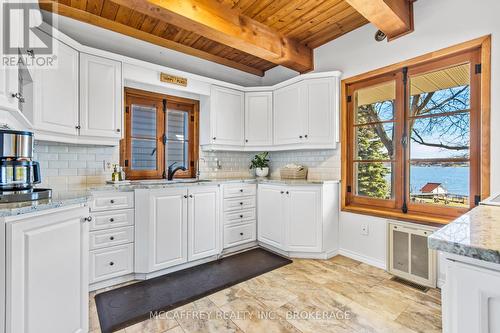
(115, 176)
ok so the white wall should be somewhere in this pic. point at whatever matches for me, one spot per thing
(438, 24)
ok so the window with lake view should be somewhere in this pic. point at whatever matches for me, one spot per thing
(414, 137)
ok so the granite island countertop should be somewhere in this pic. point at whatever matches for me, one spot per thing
(476, 234)
(82, 194)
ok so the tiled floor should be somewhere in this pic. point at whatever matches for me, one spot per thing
(336, 295)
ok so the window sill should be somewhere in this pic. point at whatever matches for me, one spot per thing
(432, 220)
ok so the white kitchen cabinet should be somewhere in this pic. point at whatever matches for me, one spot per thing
(318, 109)
(288, 115)
(258, 119)
(177, 225)
(203, 222)
(271, 215)
(303, 215)
(471, 296)
(56, 93)
(227, 116)
(100, 96)
(305, 114)
(300, 220)
(47, 272)
(161, 236)
(8, 74)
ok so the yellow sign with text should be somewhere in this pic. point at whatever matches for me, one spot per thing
(180, 81)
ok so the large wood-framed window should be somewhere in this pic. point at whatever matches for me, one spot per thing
(160, 130)
(416, 136)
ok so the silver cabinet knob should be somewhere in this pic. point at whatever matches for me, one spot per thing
(118, 130)
(111, 263)
(111, 238)
(111, 220)
(88, 219)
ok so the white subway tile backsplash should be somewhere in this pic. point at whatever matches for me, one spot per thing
(67, 167)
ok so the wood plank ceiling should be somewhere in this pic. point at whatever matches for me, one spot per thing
(310, 23)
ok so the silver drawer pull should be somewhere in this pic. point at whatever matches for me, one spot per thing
(88, 219)
(111, 238)
(111, 220)
(241, 203)
(241, 190)
(241, 216)
(112, 201)
(241, 234)
(111, 263)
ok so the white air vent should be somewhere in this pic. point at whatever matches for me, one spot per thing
(409, 256)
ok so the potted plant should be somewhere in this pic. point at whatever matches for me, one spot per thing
(261, 164)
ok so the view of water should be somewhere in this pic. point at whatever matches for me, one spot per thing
(454, 179)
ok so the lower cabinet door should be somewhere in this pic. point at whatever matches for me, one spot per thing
(167, 229)
(304, 222)
(271, 218)
(203, 222)
(47, 273)
(471, 299)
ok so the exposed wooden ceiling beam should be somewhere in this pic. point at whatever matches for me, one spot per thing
(215, 21)
(393, 17)
(83, 16)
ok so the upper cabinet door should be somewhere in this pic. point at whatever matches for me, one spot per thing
(8, 74)
(227, 116)
(56, 93)
(318, 110)
(203, 222)
(288, 128)
(304, 204)
(258, 119)
(100, 96)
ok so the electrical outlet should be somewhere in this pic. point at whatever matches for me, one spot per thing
(108, 166)
(364, 229)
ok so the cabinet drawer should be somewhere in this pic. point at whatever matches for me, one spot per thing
(111, 237)
(111, 200)
(111, 262)
(239, 190)
(239, 234)
(237, 217)
(112, 219)
(239, 204)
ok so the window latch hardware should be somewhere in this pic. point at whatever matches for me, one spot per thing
(404, 140)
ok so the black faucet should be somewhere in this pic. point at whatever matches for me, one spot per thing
(171, 170)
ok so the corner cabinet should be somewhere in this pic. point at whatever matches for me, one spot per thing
(258, 119)
(177, 225)
(47, 272)
(100, 96)
(300, 220)
(227, 116)
(305, 114)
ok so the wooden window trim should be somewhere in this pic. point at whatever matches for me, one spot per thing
(482, 145)
(190, 105)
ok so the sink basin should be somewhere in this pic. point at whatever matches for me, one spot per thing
(166, 182)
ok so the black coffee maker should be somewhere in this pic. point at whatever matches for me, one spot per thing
(18, 171)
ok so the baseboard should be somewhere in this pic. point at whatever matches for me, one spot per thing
(364, 259)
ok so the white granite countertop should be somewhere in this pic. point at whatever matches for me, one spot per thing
(82, 195)
(475, 234)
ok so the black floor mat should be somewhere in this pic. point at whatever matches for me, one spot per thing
(125, 306)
